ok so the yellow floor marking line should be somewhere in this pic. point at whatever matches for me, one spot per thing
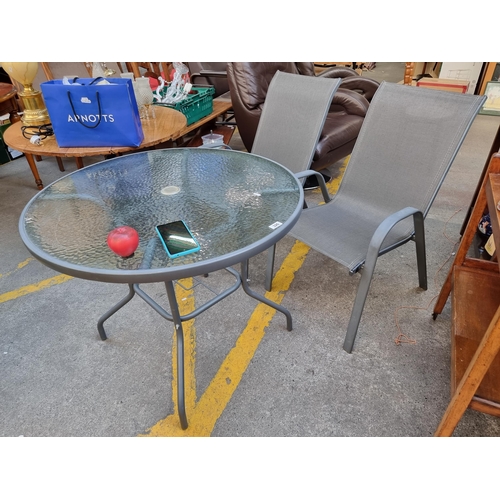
(334, 184)
(34, 287)
(19, 266)
(24, 262)
(203, 415)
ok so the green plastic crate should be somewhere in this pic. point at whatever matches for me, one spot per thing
(4, 151)
(4, 154)
(195, 106)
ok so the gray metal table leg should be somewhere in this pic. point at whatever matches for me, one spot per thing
(261, 298)
(177, 319)
(104, 317)
(174, 309)
(271, 252)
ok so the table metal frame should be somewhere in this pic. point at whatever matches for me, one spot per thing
(175, 317)
(170, 274)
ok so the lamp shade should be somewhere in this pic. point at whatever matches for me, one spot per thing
(23, 72)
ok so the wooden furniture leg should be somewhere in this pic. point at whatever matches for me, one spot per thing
(60, 164)
(485, 354)
(495, 148)
(476, 214)
(409, 70)
(461, 254)
(34, 170)
(79, 162)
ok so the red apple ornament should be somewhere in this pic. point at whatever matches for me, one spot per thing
(123, 240)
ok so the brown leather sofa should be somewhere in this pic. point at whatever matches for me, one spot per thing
(350, 79)
(248, 84)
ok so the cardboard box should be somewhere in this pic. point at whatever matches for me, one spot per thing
(469, 71)
(447, 85)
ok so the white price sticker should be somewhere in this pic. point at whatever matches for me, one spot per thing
(275, 225)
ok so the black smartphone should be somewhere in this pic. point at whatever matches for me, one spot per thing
(177, 238)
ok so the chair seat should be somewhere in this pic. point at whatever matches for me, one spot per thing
(334, 231)
(339, 129)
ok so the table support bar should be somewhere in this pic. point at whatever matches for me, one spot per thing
(261, 298)
(104, 317)
(177, 319)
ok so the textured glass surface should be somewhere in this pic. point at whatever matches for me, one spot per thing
(228, 200)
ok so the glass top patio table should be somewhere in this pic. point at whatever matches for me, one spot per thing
(236, 205)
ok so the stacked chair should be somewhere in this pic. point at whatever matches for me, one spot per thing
(249, 83)
(406, 146)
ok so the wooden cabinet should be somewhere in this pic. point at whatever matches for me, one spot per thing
(474, 285)
(412, 69)
(475, 299)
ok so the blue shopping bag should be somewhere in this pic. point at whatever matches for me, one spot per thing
(93, 114)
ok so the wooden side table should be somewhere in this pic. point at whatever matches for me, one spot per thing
(165, 127)
(168, 126)
(8, 102)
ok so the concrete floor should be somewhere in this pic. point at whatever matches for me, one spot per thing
(58, 379)
(388, 71)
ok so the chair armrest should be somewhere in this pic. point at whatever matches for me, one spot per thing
(383, 230)
(349, 102)
(365, 86)
(321, 182)
(337, 72)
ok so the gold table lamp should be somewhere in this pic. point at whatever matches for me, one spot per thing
(35, 112)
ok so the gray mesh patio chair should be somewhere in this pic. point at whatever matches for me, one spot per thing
(407, 143)
(290, 125)
(292, 119)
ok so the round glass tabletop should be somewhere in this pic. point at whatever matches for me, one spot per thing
(235, 204)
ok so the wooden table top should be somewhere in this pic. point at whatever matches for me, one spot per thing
(7, 91)
(167, 125)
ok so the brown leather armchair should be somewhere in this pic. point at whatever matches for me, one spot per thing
(209, 73)
(350, 79)
(248, 84)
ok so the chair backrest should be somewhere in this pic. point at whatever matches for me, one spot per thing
(407, 143)
(248, 84)
(141, 68)
(292, 119)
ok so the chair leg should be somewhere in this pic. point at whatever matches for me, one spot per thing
(270, 268)
(359, 303)
(418, 220)
(271, 253)
(371, 260)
